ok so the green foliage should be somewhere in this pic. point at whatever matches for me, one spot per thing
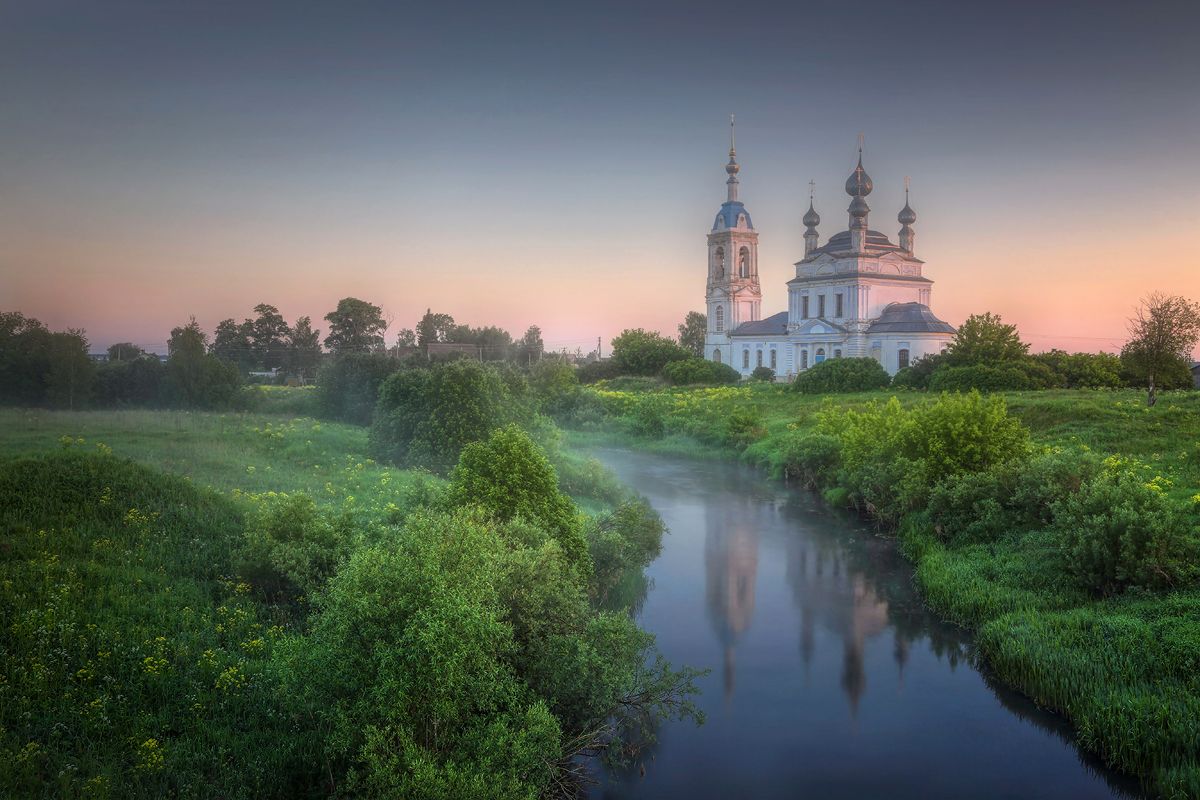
(594, 371)
(891, 455)
(762, 374)
(508, 476)
(40, 367)
(842, 375)
(120, 626)
(555, 386)
(917, 374)
(355, 326)
(699, 371)
(692, 332)
(639, 352)
(811, 458)
(291, 547)
(196, 379)
(348, 385)
(1163, 332)
(425, 417)
(1083, 370)
(985, 339)
(625, 539)
(129, 383)
(1121, 530)
(982, 377)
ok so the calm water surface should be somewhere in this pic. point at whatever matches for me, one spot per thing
(829, 679)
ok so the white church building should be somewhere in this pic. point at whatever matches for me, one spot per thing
(857, 295)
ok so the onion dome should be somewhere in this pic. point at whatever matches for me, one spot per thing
(811, 219)
(859, 207)
(859, 183)
(906, 216)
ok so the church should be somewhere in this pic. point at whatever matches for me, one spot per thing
(857, 295)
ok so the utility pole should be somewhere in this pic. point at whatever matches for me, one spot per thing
(599, 351)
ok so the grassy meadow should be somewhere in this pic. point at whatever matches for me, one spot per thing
(991, 546)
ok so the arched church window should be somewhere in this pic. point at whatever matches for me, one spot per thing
(719, 262)
(903, 357)
(758, 357)
(837, 353)
(745, 358)
(717, 356)
(719, 319)
(744, 262)
(741, 220)
(774, 362)
(820, 355)
(803, 359)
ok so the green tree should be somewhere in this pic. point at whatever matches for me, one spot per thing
(509, 476)
(985, 339)
(269, 335)
(692, 332)
(355, 326)
(70, 370)
(124, 351)
(24, 359)
(842, 375)
(640, 352)
(433, 328)
(231, 343)
(303, 350)
(348, 385)
(425, 417)
(530, 347)
(1162, 334)
(196, 379)
(406, 338)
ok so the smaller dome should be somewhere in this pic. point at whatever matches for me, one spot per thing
(859, 207)
(811, 219)
(859, 183)
(732, 167)
(906, 216)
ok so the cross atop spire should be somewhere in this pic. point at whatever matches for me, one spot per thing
(732, 167)
(732, 143)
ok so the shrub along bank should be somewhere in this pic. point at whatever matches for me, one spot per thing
(1064, 526)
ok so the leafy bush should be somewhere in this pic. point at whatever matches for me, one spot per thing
(426, 417)
(348, 385)
(594, 371)
(640, 352)
(291, 546)
(891, 455)
(555, 386)
(1083, 370)
(627, 538)
(1121, 530)
(136, 382)
(980, 377)
(812, 459)
(509, 477)
(699, 371)
(842, 375)
(916, 375)
(762, 374)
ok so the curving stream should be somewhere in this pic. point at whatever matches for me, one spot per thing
(829, 678)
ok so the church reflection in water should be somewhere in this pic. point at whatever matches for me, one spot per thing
(830, 593)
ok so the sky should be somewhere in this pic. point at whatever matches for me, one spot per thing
(560, 164)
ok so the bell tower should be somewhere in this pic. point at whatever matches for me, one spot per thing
(732, 293)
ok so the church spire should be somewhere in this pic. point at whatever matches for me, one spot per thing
(811, 220)
(732, 167)
(906, 218)
(858, 186)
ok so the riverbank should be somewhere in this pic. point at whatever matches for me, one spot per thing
(1122, 666)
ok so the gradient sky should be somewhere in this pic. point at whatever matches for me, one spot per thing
(561, 163)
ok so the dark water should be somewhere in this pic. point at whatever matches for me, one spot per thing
(829, 679)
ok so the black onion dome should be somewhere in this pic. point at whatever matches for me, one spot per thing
(859, 208)
(906, 216)
(811, 219)
(859, 183)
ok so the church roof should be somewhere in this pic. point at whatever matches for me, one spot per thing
(774, 325)
(840, 242)
(908, 318)
(855, 275)
(729, 214)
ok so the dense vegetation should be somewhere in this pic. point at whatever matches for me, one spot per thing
(318, 622)
(1063, 525)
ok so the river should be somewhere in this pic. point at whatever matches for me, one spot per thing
(829, 678)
